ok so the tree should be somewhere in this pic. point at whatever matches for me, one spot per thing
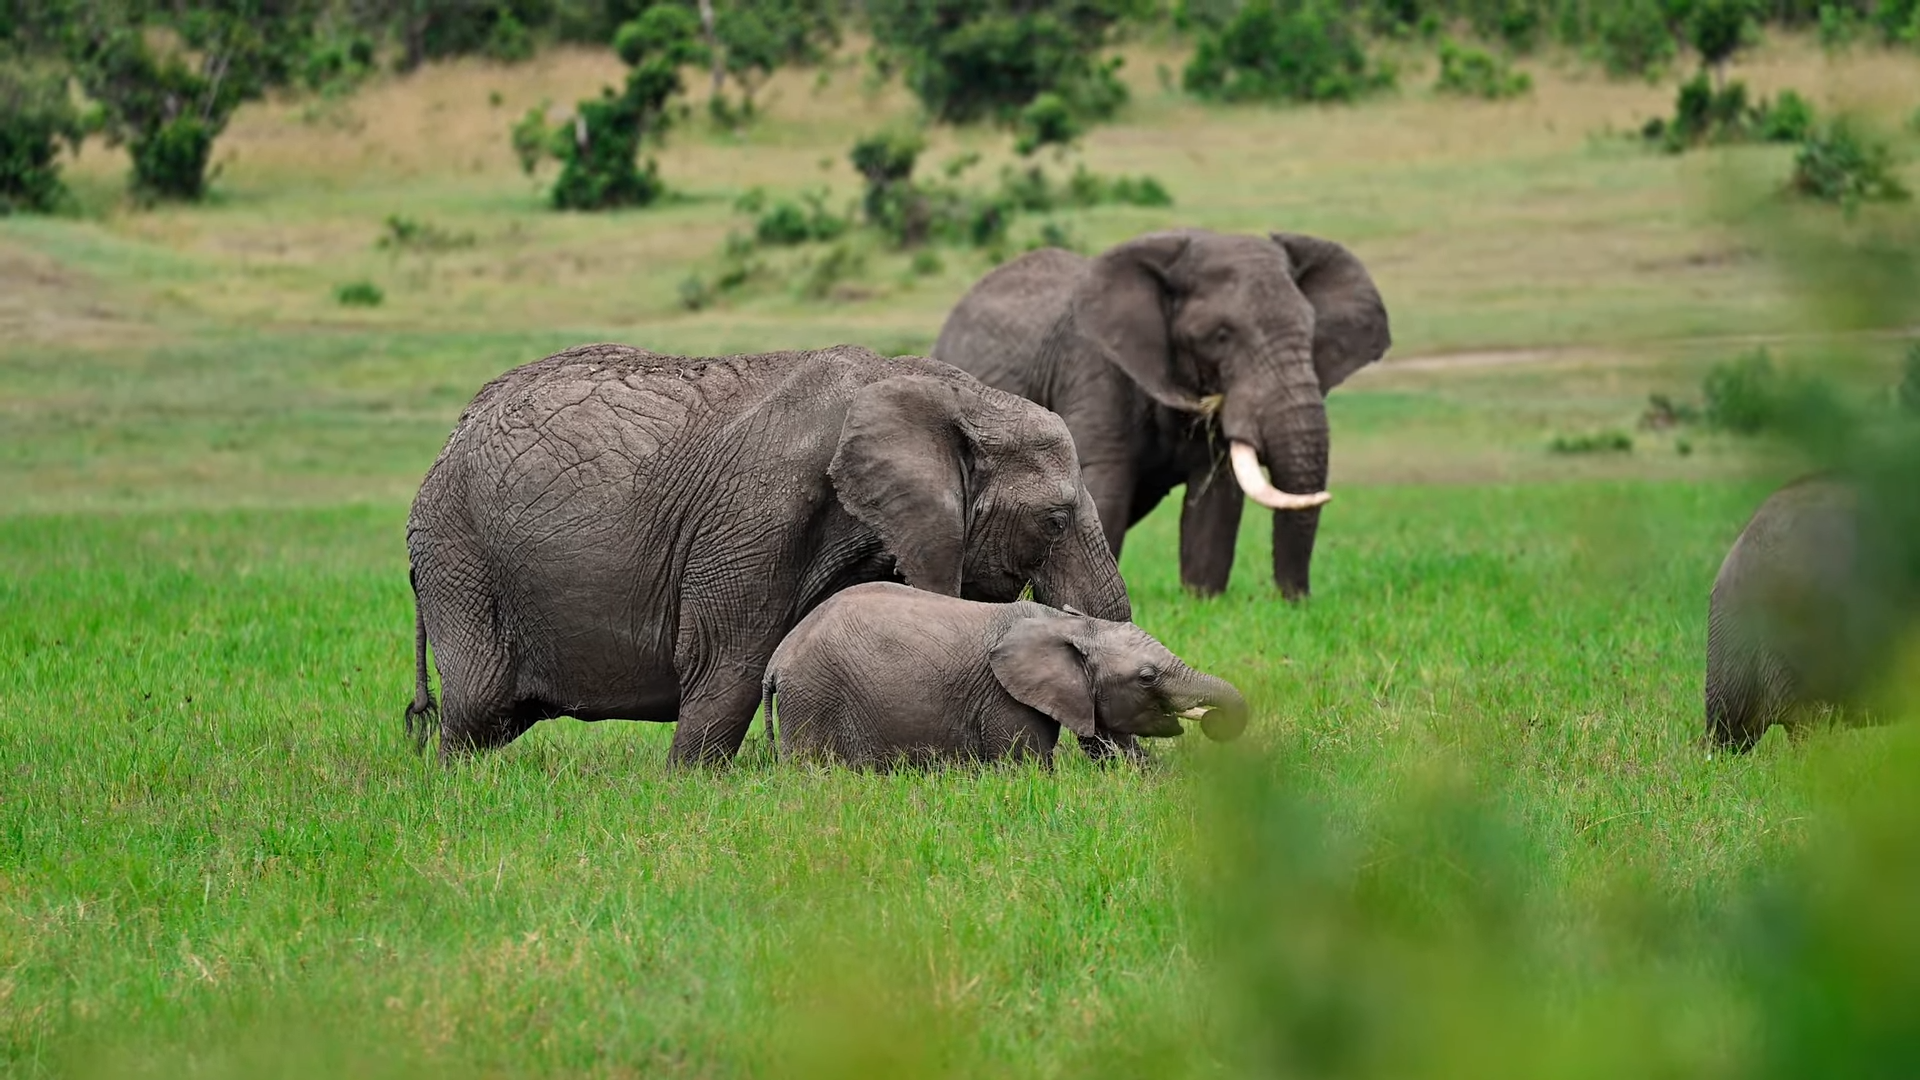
(599, 150)
(1717, 29)
(1272, 50)
(168, 79)
(987, 61)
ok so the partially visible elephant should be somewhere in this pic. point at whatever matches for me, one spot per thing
(883, 674)
(1796, 616)
(611, 533)
(1175, 354)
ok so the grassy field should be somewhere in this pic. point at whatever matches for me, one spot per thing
(1471, 833)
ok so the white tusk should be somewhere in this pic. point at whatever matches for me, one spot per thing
(1196, 712)
(1246, 469)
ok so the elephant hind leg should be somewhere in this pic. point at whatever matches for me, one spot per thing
(1747, 693)
(715, 713)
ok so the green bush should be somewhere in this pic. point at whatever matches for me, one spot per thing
(359, 294)
(36, 115)
(1604, 442)
(1840, 163)
(1907, 393)
(402, 233)
(169, 95)
(1749, 396)
(599, 151)
(1633, 38)
(1743, 395)
(1471, 72)
(1047, 121)
(1898, 21)
(1787, 119)
(789, 223)
(969, 61)
(1284, 50)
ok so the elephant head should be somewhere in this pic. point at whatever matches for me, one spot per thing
(1096, 676)
(975, 493)
(1251, 333)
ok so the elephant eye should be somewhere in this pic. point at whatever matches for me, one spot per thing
(1056, 521)
(1223, 334)
(1149, 675)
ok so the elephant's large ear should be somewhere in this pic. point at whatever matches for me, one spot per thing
(1121, 308)
(899, 470)
(1040, 662)
(1349, 318)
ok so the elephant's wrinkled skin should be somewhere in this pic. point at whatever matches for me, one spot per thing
(1163, 353)
(612, 533)
(1795, 616)
(883, 674)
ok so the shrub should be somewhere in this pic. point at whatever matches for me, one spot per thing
(169, 96)
(1908, 392)
(36, 115)
(1839, 163)
(508, 40)
(1898, 21)
(1515, 23)
(1742, 395)
(835, 265)
(401, 233)
(599, 151)
(359, 294)
(1273, 50)
(1749, 395)
(926, 263)
(1718, 28)
(1470, 72)
(970, 61)
(1788, 119)
(695, 294)
(788, 223)
(1839, 26)
(1633, 38)
(1664, 412)
(1604, 442)
(1047, 121)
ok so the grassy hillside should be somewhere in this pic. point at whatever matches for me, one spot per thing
(1471, 832)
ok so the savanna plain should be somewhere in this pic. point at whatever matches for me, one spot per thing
(1472, 831)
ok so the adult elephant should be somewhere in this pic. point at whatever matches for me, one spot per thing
(1174, 354)
(611, 533)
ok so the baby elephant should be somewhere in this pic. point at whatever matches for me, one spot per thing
(1795, 616)
(882, 674)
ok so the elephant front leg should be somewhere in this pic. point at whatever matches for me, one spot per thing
(1209, 526)
(1110, 483)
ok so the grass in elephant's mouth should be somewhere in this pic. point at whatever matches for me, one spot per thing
(214, 842)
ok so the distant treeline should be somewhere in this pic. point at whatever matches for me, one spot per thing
(163, 77)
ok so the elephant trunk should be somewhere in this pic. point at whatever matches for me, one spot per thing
(1294, 441)
(1218, 705)
(1081, 572)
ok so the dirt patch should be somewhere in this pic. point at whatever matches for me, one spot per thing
(43, 301)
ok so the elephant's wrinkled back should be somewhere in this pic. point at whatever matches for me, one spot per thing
(995, 331)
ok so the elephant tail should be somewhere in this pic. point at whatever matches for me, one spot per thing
(422, 713)
(767, 689)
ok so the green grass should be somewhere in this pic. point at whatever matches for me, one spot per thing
(1472, 831)
(214, 829)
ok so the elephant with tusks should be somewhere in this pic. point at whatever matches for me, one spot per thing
(1185, 357)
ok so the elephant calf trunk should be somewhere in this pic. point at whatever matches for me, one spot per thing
(1246, 469)
(1221, 710)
